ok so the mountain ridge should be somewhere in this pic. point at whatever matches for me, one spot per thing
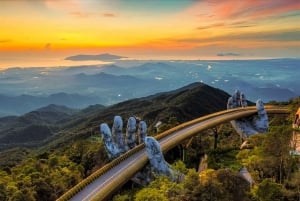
(18, 105)
(268, 80)
(98, 57)
(184, 104)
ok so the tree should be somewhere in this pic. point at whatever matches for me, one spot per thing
(125, 197)
(270, 156)
(2, 192)
(210, 188)
(150, 194)
(222, 184)
(88, 155)
(276, 149)
(43, 190)
(269, 191)
(293, 187)
(235, 186)
(168, 188)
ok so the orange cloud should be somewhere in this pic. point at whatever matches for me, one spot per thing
(253, 8)
(211, 26)
(80, 14)
(5, 41)
(109, 15)
(70, 6)
(48, 46)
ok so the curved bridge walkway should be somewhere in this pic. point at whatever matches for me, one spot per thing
(105, 181)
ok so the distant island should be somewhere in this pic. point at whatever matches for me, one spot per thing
(99, 57)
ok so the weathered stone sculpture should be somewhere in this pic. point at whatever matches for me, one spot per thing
(110, 146)
(238, 99)
(156, 158)
(130, 133)
(142, 132)
(243, 100)
(117, 134)
(115, 146)
(252, 125)
(261, 122)
(114, 139)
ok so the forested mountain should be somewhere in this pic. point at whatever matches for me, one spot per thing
(59, 123)
(17, 105)
(55, 147)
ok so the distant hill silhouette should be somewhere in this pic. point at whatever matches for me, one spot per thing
(127, 79)
(17, 105)
(100, 57)
(185, 104)
(34, 127)
(60, 125)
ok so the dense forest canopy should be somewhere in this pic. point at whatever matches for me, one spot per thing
(46, 173)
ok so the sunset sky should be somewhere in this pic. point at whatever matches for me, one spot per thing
(44, 32)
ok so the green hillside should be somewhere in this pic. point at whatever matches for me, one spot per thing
(43, 164)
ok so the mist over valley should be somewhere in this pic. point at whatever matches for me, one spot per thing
(25, 89)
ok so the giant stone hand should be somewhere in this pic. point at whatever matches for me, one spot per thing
(142, 132)
(250, 125)
(115, 146)
(156, 158)
(114, 140)
(110, 146)
(130, 133)
(117, 133)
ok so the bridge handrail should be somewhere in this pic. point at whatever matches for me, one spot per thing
(85, 182)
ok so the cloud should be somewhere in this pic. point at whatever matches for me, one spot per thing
(68, 6)
(5, 41)
(242, 24)
(108, 15)
(153, 6)
(277, 35)
(228, 54)
(211, 26)
(253, 9)
(48, 46)
(80, 14)
(287, 35)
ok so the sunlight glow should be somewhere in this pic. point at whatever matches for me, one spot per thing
(178, 28)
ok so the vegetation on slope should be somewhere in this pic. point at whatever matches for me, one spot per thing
(48, 172)
(47, 175)
(75, 144)
(274, 170)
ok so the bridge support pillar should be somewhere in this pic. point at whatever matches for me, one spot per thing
(183, 154)
(184, 148)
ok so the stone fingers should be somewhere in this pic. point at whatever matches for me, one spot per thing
(261, 122)
(117, 133)
(110, 146)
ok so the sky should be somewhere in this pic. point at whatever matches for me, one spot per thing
(44, 32)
